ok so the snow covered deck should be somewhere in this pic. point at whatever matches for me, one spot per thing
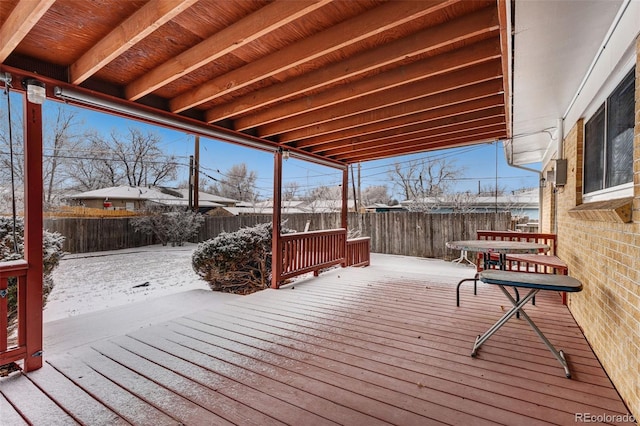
(358, 346)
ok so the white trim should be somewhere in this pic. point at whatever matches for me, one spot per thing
(620, 191)
(611, 67)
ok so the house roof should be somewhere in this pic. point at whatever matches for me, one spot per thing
(205, 196)
(124, 192)
(143, 193)
(329, 80)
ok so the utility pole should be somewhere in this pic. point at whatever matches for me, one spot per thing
(196, 175)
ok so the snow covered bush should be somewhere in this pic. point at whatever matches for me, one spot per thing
(175, 227)
(236, 262)
(52, 253)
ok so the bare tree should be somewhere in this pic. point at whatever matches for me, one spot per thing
(238, 183)
(290, 191)
(429, 177)
(376, 194)
(61, 143)
(134, 159)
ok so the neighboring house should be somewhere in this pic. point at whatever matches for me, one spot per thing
(521, 204)
(384, 208)
(329, 206)
(134, 198)
(263, 207)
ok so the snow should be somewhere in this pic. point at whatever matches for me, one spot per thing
(92, 282)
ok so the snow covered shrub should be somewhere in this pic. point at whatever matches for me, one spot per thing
(52, 253)
(175, 226)
(236, 262)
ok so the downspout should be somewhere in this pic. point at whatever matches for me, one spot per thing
(540, 180)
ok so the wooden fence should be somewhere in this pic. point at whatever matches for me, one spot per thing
(402, 233)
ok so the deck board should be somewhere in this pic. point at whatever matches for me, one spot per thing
(353, 346)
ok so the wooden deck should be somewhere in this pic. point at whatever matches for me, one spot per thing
(355, 346)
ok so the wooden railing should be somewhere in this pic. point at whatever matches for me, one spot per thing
(16, 349)
(304, 252)
(359, 251)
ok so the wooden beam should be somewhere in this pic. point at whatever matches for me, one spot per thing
(438, 126)
(135, 28)
(506, 60)
(22, 19)
(417, 90)
(417, 146)
(440, 100)
(451, 111)
(442, 133)
(33, 222)
(468, 56)
(241, 33)
(375, 21)
(439, 37)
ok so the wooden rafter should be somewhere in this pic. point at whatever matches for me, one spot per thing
(430, 86)
(396, 77)
(138, 26)
(466, 27)
(346, 33)
(421, 146)
(252, 27)
(435, 126)
(24, 16)
(399, 123)
(465, 94)
(435, 134)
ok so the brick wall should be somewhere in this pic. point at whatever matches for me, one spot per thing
(605, 256)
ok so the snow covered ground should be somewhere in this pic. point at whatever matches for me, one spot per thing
(92, 282)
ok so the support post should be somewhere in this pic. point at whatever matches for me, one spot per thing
(345, 208)
(196, 175)
(276, 252)
(33, 233)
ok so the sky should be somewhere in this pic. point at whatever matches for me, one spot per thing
(479, 164)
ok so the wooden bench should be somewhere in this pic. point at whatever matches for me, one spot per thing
(542, 263)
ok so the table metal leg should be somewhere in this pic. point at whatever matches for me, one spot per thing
(475, 287)
(517, 307)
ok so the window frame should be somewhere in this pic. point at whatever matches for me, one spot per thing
(617, 191)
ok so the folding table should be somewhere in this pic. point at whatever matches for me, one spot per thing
(534, 282)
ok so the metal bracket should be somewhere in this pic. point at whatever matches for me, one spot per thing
(37, 354)
(3, 293)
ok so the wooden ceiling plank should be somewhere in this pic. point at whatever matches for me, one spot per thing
(420, 89)
(134, 29)
(433, 126)
(375, 21)
(440, 100)
(24, 16)
(460, 58)
(241, 33)
(455, 130)
(417, 146)
(460, 29)
(451, 111)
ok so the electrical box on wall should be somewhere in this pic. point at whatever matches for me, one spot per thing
(561, 172)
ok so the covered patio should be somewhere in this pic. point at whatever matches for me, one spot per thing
(338, 83)
(361, 346)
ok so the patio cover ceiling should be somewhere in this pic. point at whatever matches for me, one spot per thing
(345, 81)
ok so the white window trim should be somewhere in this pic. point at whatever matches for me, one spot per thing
(620, 191)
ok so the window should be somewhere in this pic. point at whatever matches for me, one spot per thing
(608, 140)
